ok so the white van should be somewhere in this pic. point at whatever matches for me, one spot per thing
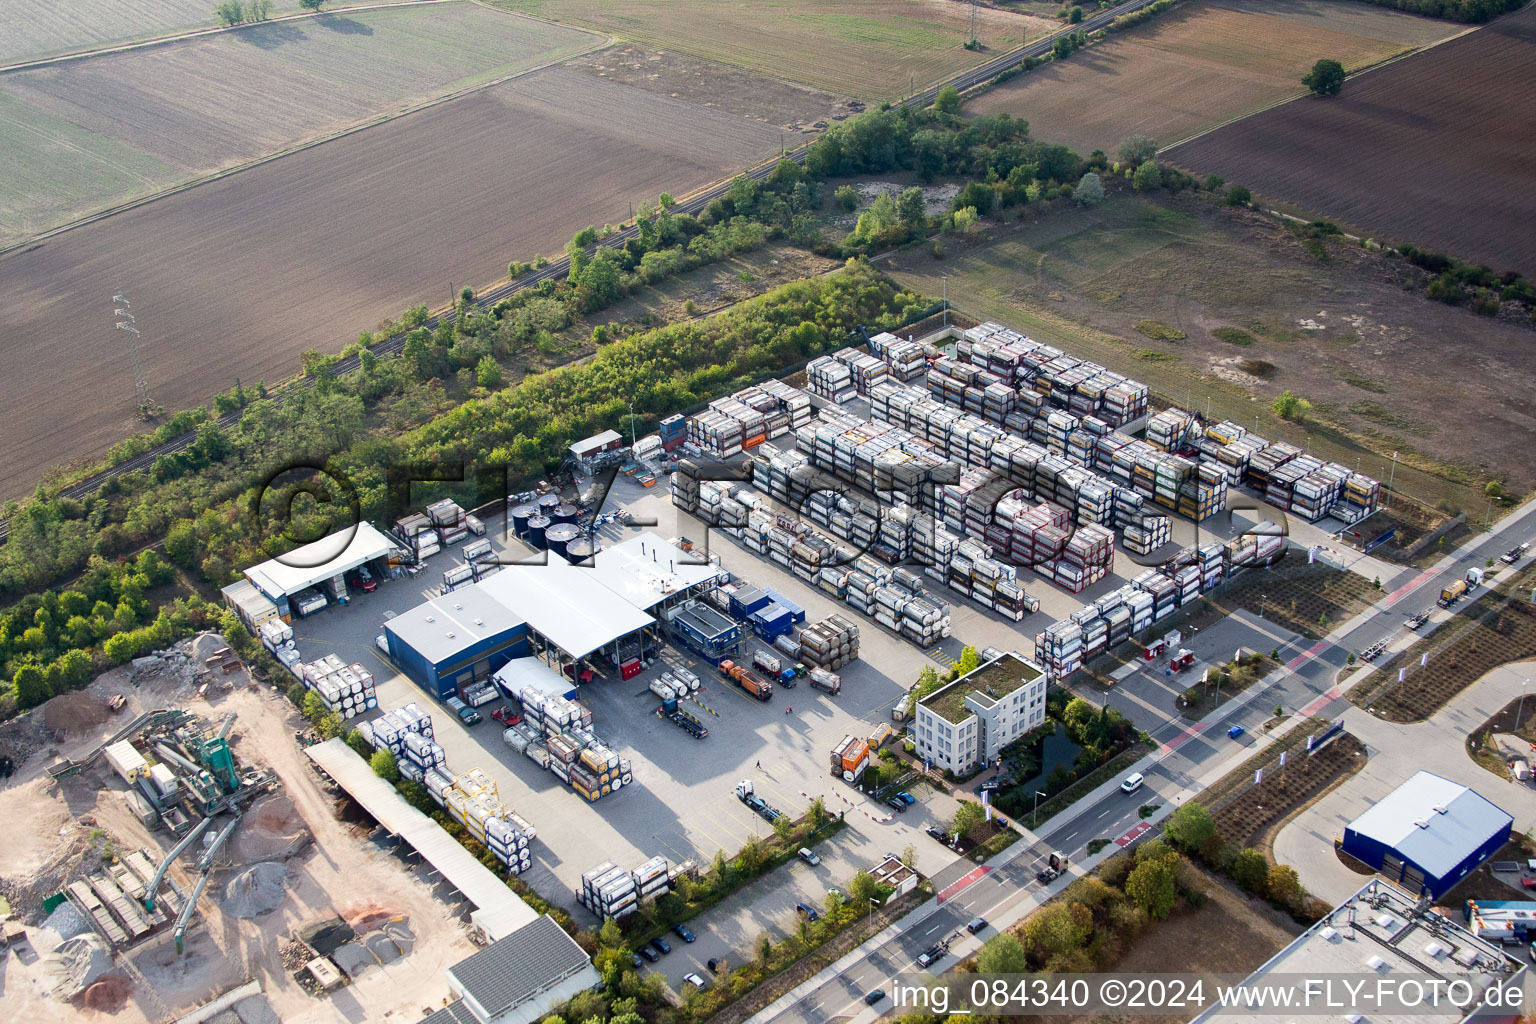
(1133, 782)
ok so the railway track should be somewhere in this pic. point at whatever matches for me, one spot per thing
(693, 204)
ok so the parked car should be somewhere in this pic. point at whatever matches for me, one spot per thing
(976, 924)
(714, 965)
(649, 953)
(874, 997)
(467, 714)
(906, 798)
(809, 856)
(937, 833)
(634, 958)
(808, 910)
(835, 892)
(694, 980)
(662, 945)
(684, 933)
(897, 805)
(1133, 782)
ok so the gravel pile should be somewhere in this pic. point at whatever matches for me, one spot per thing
(353, 958)
(66, 922)
(256, 890)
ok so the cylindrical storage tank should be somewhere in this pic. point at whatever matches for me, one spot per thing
(520, 516)
(559, 536)
(548, 503)
(581, 549)
(536, 530)
(564, 513)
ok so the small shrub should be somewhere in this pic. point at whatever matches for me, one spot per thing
(1158, 331)
(1233, 336)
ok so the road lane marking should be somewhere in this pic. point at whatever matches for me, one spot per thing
(955, 888)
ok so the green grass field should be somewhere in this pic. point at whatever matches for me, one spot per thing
(871, 49)
(1096, 281)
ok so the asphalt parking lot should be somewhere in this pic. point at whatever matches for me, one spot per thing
(682, 803)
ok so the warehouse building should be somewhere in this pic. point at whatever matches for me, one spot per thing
(574, 618)
(965, 724)
(530, 967)
(1384, 932)
(607, 441)
(306, 579)
(1427, 834)
(462, 637)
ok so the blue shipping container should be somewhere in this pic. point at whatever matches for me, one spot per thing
(795, 611)
(772, 622)
(747, 599)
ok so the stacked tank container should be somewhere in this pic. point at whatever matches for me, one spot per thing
(830, 379)
(345, 689)
(609, 892)
(419, 535)
(448, 520)
(830, 644)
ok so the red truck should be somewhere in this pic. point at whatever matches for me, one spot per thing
(748, 680)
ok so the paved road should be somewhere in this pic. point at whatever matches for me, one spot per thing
(560, 268)
(1190, 756)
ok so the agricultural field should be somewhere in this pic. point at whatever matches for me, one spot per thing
(869, 49)
(1440, 122)
(795, 108)
(223, 277)
(43, 28)
(1220, 310)
(82, 136)
(1199, 66)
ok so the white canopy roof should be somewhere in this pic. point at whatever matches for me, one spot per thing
(319, 561)
(566, 604)
(645, 570)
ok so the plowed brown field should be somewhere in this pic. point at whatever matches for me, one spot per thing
(1198, 66)
(238, 277)
(1427, 150)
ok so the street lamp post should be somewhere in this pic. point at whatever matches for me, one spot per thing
(1521, 706)
(631, 404)
(873, 903)
(944, 286)
(1034, 815)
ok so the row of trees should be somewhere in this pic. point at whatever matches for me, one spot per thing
(1469, 11)
(1192, 830)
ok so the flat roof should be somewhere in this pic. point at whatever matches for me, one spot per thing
(988, 683)
(442, 628)
(646, 570)
(565, 604)
(1433, 822)
(318, 561)
(596, 441)
(520, 673)
(1381, 930)
(499, 910)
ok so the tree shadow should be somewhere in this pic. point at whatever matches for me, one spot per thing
(344, 26)
(271, 35)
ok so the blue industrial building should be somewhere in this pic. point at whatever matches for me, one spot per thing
(572, 617)
(1428, 834)
(461, 637)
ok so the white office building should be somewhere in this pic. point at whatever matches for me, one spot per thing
(965, 724)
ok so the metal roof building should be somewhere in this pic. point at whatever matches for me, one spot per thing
(1380, 932)
(1428, 833)
(316, 562)
(463, 636)
(647, 571)
(498, 913)
(566, 605)
(519, 979)
(607, 441)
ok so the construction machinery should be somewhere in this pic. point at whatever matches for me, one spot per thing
(204, 865)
